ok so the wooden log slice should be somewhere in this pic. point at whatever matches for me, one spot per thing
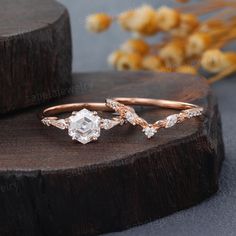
(35, 50)
(50, 185)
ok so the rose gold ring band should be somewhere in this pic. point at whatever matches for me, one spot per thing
(127, 101)
(188, 111)
(155, 102)
(85, 125)
(75, 107)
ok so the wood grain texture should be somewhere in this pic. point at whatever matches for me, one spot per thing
(50, 185)
(35, 49)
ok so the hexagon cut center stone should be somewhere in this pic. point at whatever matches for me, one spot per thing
(84, 126)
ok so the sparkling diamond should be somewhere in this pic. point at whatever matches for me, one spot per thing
(108, 124)
(149, 131)
(61, 124)
(171, 120)
(130, 117)
(84, 126)
(194, 112)
(112, 104)
(46, 121)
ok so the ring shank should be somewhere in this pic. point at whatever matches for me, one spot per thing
(155, 102)
(127, 101)
(74, 107)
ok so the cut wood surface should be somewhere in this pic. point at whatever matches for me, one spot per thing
(35, 49)
(50, 185)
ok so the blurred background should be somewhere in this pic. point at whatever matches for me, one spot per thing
(91, 50)
(214, 217)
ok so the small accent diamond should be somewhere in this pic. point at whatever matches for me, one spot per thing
(193, 112)
(61, 123)
(112, 104)
(149, 131)
(171, 120)
(130, 117)
(46, 121)
(108, 124)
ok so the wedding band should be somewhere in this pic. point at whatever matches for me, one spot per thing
(83, 125)
(188, 111)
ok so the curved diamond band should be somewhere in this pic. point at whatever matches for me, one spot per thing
(188, 111)
(83, 125)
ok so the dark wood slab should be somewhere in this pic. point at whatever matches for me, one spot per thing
(50, 185)
(35, 49)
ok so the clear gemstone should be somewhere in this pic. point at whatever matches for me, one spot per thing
(130, 117)
(149, 131)
(112, 104)
(171, 120)
(84, 126)
(108, 124)
(193, 112)
(61, 124)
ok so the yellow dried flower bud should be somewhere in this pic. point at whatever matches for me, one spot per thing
(124, 19)
(214, 61)
(167, 18)
(188, 23)
(150, 30)
(152, 62)
(141, 20)
(187, 69)
(98, 22)
(135, 45)
(129, 61)
(173, 54)
(114, 57)
(198, 43)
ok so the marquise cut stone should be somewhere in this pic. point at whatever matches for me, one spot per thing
(171, 120)
(108, 124)
(84, 126)
(130, 116)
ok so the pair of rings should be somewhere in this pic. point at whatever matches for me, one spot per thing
(85, 125)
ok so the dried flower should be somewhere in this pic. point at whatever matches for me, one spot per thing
(198, 43)
(135, 45)
(114, 57)
(124, 19)
(140, 20)
(214, 61)
(129, 61)
(186, 38)
(188, 23)
(167, 18)
(151, 29)
(152, 62)
(187, 69)
(173, 54)
(98, 22)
